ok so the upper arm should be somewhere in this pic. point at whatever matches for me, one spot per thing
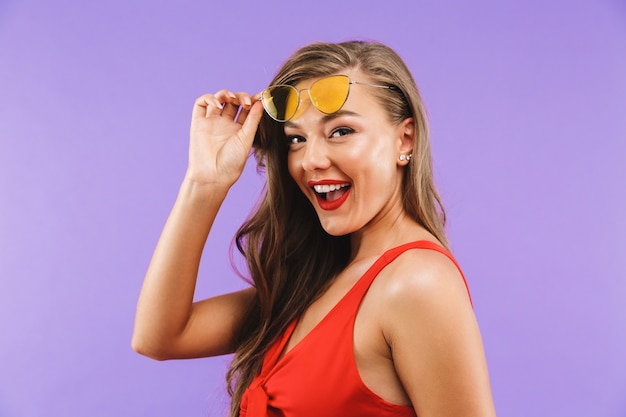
(210, 329)
(215, 321)
(434, 338)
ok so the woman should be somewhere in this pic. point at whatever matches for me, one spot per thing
(356, 306)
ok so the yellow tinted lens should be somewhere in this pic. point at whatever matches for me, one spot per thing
(330, 93)
(280, 102)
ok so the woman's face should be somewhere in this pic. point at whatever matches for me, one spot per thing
(347, 163)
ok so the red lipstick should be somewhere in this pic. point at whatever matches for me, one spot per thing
(322, 197)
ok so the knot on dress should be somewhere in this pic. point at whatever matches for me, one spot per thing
(254, 402)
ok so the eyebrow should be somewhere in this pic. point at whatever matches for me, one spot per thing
(327, 118)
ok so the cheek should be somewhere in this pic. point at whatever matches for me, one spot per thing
(376, 151)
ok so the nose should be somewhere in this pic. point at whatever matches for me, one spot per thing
(315, 156)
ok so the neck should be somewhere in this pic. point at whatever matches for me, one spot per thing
(382, 234)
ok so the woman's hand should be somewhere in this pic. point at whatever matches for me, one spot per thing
(223, 126)
(168, 323)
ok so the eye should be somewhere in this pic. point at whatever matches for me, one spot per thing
(341, 131)
(294, 141)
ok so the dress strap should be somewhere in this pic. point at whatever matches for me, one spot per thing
(273, 354)
(389, 256)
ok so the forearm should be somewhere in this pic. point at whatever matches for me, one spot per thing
(165, 302)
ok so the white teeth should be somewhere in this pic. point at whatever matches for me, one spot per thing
(328, 188)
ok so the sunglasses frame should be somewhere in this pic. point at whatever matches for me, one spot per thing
(298, 96)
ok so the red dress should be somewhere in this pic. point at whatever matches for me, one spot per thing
(318, 377)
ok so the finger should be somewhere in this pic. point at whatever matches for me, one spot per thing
(243, 114)
(256, 98)
(228, 99)
(246, 102)
(250, 122)
(207, 105)
(243, 99)
(234, 102)
(230, 110)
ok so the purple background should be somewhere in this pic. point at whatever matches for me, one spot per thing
(527, 102)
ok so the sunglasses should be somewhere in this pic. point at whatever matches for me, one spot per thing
(327, 94)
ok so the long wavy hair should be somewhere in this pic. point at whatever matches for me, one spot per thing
(291, 259)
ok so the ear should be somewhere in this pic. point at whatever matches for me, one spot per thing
(406, 134)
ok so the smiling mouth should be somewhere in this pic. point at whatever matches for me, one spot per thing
(331, 192)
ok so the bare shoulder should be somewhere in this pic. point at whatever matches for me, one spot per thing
(429, 325)
(422, 278)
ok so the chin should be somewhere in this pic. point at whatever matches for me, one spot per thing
(334, 229)
(336, 234)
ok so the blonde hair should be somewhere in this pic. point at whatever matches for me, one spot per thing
(291, 259)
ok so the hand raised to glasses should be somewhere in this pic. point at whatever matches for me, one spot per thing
(223, 126)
